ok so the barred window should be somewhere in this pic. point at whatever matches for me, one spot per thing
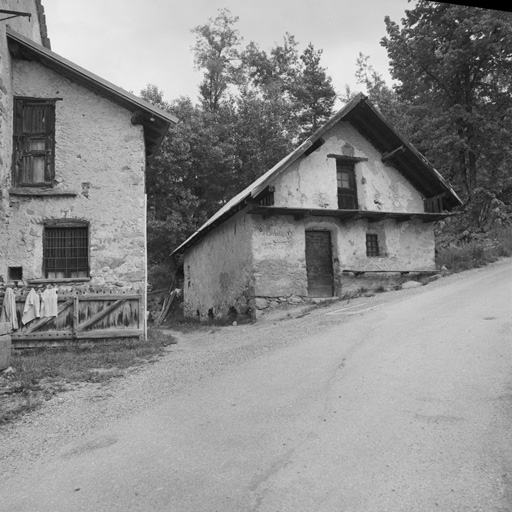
(34, 142)
(66, 252)
(372, 244)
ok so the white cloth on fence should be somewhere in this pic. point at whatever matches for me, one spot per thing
(49, 303)
(32, 307)
(10, 308)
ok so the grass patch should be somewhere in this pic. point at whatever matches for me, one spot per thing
(38, 374)
(478, 252)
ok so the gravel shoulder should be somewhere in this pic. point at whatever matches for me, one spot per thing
(198, 356)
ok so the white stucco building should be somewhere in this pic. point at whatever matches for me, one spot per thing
(73, 154)
(354, 198)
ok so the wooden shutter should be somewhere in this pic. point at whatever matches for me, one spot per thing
(34, 142)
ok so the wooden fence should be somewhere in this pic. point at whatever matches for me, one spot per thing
(83, 317)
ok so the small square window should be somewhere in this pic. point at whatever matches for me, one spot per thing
(372, 244)
(15, 273)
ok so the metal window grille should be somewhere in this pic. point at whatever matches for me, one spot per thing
(34, 135)
(372, 245)
(66, 252)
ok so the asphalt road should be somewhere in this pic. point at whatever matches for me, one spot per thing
(400, 404)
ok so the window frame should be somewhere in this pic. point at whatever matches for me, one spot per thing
(74, 249)
(372, 245)
(347, 196)
(24, 155)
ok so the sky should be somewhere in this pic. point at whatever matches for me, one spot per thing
(132, 43)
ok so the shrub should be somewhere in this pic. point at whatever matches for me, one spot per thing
(478, 252)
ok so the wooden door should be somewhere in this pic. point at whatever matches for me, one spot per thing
(319, 263)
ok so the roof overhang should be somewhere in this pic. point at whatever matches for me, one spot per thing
(395, 148)
(347, 215)
(302, 213)
(154, 121)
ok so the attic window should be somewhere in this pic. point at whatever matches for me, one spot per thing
(34, 142)
(266, 198)
(347, 191)
(434, 204)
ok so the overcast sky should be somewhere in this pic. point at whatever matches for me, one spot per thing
(133, 43)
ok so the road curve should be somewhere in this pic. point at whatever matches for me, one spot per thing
(402, 404)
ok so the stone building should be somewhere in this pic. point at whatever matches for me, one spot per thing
(354, 199)
(73, 154)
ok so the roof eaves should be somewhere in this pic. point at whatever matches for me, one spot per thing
(262, 182)
(49, 57)
(416, 154)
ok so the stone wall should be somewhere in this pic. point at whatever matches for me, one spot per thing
(218, 271)
(100, 160)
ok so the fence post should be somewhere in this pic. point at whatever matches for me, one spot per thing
(75, 316)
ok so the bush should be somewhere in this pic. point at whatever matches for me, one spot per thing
(478, 252)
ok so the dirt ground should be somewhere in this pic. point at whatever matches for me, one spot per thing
(70, 412)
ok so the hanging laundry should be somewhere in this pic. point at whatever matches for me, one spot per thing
(10, 308)
(49, 303)
(32, 306)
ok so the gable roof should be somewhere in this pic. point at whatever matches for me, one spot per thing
(371, 124)
(154, 121)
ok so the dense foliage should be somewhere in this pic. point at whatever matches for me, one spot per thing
(452, 98)
(254, 106)
(453, 65)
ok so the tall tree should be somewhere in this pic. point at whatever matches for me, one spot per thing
(453, 65)
(216, 52)
(313, 92)
(255, 105)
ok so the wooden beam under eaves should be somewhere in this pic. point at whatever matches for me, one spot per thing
(378, 218)
(406, 218)
(354, 216)
(391, 154)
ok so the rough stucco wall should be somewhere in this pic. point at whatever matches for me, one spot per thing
(279, 242)
(280, 261)
(28, 27)
(311, 181)
(5, 141)
(218, 271)
(279, 257)
(99, 154)
(405, 246)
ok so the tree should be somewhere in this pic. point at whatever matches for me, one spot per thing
(453, 65)
(215, 52)
(313, 92)
(255, 105)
